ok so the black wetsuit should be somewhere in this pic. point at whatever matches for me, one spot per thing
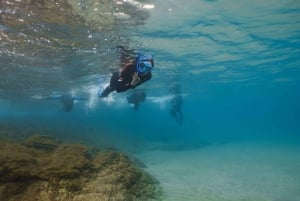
(175, 110)
(136, 98)
(121, 81)
(68, 102)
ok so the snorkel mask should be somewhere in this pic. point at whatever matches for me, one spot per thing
(144, 63)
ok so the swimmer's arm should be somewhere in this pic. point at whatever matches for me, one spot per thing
(135, 80)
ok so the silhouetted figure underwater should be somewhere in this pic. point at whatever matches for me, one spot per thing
(136, 98)
(67, 100)
(175, 110)
(135, 70)
(176, 103)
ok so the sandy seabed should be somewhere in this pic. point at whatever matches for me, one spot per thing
(239, 171)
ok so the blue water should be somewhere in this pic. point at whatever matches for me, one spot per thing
(237, 64)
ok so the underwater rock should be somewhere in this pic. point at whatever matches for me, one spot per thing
(41, 142)
(70, 172)
(136, 161)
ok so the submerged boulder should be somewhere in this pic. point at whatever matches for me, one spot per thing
(68, 172)
(41, 142)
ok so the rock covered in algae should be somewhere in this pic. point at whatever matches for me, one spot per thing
(70, 172)
(41, 142)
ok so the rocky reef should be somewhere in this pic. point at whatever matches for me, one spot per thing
(42, 168)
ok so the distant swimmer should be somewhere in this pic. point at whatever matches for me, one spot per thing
(136, 98)
(176, 103)
(67, 100)
(175, 110)
(134, 71)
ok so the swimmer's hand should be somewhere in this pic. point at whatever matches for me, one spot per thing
(135, 79)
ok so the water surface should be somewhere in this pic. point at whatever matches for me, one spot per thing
(236, 64)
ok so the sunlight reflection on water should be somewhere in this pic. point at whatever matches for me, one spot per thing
(57, 45)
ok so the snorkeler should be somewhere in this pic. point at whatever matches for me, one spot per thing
(176, 103)
(136, 98)
(133, 72)
(67, 100)
(175, 110)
